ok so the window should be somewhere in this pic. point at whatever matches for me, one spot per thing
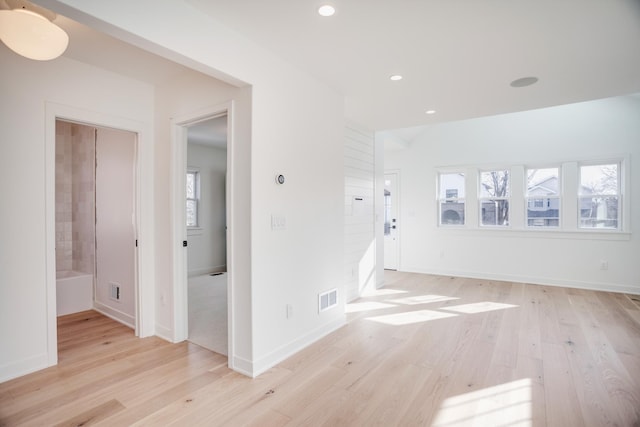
(599, 196)
(193, 197)
(543, 197)
(387, 211)
(494, 198)
(451, 198)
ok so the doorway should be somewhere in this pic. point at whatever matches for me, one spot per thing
(183, 238)
(95, 220)
(391, 224)
(206, 223)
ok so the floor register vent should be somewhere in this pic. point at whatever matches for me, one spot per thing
(327, 300)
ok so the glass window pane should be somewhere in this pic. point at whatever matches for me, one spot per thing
(543, 182)
(450, 184)
(494, 212)
(599, 212)
(192, 213)
(452, 213)
(191, 185)
(494, 184)
(543, 212)
(599, 179)
(387, 212)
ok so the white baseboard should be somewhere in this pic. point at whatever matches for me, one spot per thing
(242, 366)
(114, 314)
(164, 333)
(288, 350)
(22, 367)
(207, 270)
(545, 281)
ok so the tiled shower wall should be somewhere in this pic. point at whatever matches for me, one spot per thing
(75, 197)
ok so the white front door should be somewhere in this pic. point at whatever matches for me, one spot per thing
(391, 232)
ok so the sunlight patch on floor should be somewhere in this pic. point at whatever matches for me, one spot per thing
(356, 307)
(411, 317)
(422, 299)
(382, 292)
(506, 404)
(478, 307)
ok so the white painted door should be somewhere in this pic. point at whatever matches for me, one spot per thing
(115, 224)
(391, 232)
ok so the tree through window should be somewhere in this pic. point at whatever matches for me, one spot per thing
(599, 196)
(494, 197)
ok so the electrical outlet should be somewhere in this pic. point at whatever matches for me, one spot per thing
(278, 222)
(604, 264)
(289, 311)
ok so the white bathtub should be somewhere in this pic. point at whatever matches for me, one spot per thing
(74, 292)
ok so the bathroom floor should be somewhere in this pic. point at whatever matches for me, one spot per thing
(208, 312)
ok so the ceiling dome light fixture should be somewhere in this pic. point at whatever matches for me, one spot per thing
(28, 31)
(430, 112)
(395, 77)
(524, 81)
(326, 10)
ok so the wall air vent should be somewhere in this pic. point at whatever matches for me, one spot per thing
(114, 291)
(327, 300)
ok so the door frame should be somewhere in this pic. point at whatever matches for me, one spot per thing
(178, 194)
(143, 208)
(395, 172)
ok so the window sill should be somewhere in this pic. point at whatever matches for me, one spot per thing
(536, 233)
(195, 231)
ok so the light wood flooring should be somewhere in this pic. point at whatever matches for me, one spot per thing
(425, 350)
(208, 312)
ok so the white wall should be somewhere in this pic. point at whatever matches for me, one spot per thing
(25, 208)
(608, 128)
(359, 227)
(189, 95)
(296, 129)
(292, 125)
(115, 223)
(207, 250)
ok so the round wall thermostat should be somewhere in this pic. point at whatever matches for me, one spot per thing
(280, 179)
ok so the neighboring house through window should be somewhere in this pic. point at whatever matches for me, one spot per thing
(543, 197)
(599, 196)
(451, 198)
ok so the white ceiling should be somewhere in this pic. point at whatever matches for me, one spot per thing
(457, 56)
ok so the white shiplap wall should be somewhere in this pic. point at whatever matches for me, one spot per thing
(359, 187)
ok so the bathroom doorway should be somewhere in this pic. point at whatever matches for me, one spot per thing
(95, 220)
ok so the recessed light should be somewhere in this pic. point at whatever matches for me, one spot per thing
(326, 10)
(430, 112)
(396, 77)
(524, 81)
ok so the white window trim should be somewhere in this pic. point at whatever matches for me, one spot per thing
(620, 180)
(568, 194)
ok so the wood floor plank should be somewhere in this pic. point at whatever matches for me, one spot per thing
(94, 415)
(423, 351)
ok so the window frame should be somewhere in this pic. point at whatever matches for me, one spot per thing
(507, 198)
(528, 198)
(618, 194)
(442, 199)
(196, 199)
